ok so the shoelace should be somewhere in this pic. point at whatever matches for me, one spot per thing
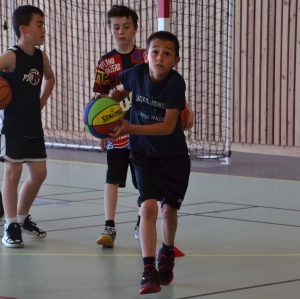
(149, 275)
(31, 223)
(108, 232)
(167, 263)
(13, 234)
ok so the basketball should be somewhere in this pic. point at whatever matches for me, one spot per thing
(5, 93)
(102, 116)
(184, 117)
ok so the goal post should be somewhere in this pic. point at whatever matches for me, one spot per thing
(77, 35)
(163, 19)
(204, 30)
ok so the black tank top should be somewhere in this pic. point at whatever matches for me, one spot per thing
(23, 115)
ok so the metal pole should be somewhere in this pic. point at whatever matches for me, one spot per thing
(13, 37)
(228, 83)
(164, 15)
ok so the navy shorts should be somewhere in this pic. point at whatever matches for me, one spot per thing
(16, 148)
(162, 178)
(118, 161)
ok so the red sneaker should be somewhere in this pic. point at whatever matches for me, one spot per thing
(150, 281)
(165, 268)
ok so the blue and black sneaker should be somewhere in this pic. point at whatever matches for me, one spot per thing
(12, 235)
(29, 227)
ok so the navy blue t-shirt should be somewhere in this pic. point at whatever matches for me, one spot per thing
(149, 103)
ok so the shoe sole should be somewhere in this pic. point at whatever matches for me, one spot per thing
(105, 241)
(33, 236)
(149, 289)
(12, 245)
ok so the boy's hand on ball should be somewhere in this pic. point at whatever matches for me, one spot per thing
(122, 130)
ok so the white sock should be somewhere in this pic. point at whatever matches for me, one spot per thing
(21, 218)
(11, 220)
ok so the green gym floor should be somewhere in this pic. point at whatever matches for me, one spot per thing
(239, 228)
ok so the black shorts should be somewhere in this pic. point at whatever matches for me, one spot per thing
(162, 178)
(118, 161)
(16, 148)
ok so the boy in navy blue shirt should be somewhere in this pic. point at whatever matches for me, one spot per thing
(159, 150)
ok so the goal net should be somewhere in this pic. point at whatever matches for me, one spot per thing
(77, 35)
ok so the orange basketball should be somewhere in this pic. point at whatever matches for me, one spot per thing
(184, 117)
(5, 93)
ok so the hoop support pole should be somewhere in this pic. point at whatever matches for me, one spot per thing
(228, 83)
(164, 15)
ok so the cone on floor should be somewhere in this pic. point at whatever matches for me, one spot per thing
(177, 252)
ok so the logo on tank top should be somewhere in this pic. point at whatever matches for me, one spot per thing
(33, 77)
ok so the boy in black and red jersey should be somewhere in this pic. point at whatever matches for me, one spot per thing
(122, 23)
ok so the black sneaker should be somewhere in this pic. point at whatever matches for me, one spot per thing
(165, 267)
(150, 281)
(107, 237)
(30, 228)
(12, 235)
(1, 207)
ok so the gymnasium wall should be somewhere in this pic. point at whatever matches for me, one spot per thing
(266, 76)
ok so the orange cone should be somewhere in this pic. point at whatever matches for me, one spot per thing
(177, 252)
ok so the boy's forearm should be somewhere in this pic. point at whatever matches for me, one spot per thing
(47, 88)
(117, 95)
(188, 107)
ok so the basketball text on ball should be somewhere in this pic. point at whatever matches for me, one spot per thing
(112, 115)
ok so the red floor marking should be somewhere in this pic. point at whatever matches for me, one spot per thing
(1, 297)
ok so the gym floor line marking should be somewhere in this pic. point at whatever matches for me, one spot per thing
(139, 255)
(77, 162)
(242, 289)
(194, 172)
(245, 177)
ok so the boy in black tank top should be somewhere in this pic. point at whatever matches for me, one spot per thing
(30, 76)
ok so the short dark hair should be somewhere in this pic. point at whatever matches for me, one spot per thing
(122, 11)
(22, 15)
(166, 36)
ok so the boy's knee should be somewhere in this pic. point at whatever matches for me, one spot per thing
(149, 208)
(40, 175)
(37, 174)
(13, 172)
(168, 212)
(43, 176)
